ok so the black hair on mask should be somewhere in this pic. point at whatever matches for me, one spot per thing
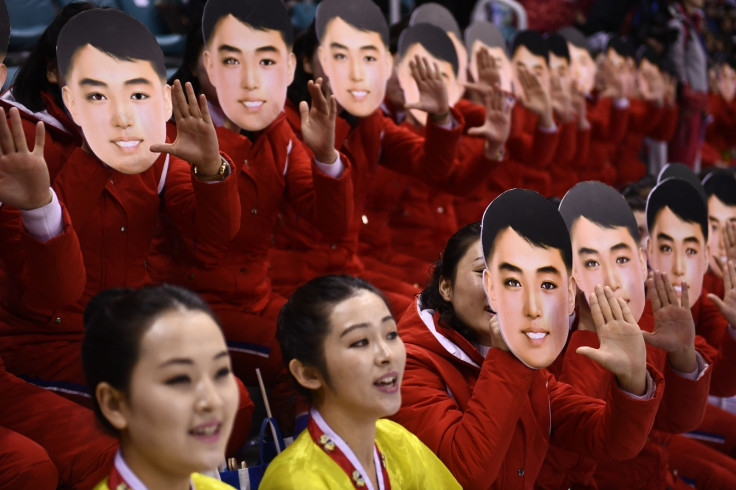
(259, 14)
(363, 15)
(557, 45)
(600, 204)
(647, 53)
(575, 37)
(722, 184)
(485, 32)
(682, 199)
(531, 40)
(433, 39)
(111, 32)
(532, 216)
(437, 15)
(621, 46)
(682, 172)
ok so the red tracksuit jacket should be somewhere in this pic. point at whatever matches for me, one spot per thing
(491, 420)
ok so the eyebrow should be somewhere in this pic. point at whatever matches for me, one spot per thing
(335, 45)
(267, 49)
(548, 269)
(227, 48)
(177, 361)
(91, 82)
(587, 251)
(364, 325)
(620, 246)
(138, 81)
(664, 236)
(505, 266)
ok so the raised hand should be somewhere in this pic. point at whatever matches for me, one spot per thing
(433, 98)
(488, 73)
(497, 338)
(727, 305)
(24, 176)
(728, 235)
(674, 329)
(579, 105)
(561, 99)
(536, 98)
(318, 122)
(497, 124)
(613, 81)
(196, 139)
(670, 89)
(622, 350)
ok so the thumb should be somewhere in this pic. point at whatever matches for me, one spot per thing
(476, 131)
(718, 301)
(304, 111)
(162, 148)
(593, 354)
(650, 338)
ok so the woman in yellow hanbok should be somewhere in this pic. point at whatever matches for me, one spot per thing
(157, 366)
(340, 343)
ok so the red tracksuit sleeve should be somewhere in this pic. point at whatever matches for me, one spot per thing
(431, 157)
(51, 272)
(665, 130)
(531, 145)
(327, 202)
(472, 442)
(580, 158)
(615, 429)
(208, 212)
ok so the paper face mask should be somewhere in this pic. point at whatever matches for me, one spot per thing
(431, 42)
(249, 59)
(485, 35)
(353, 52)
(720, 187)
(115, 89)
(437, 15)
(677, 219)
(605, 243)
(527, 251)
(727, 82)
(529, 52)
(582, 65)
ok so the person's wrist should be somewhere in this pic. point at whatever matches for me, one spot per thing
(326, 156)
(440, 118)
(683, 360)
(212, 176)
(42, 199)
(634, 381)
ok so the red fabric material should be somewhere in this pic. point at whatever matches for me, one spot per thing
(25, 464)
(272, 169)
(682, 409)
(114, 216)
(490, 420)
(374, 140)
(685, 145)
(712, 330)
(719, 133)
(713, 284)
(644, 118)
(608, 128)
(60, 140)
(697, 462)
(80, 451)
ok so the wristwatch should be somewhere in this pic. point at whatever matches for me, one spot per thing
(219, 176)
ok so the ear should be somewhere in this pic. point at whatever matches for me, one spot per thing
(112, 405)
(168, 107)
(643, 260)
(307, 65)
(445, 288)
(649, 246)
(326, 66)
(291, 66)
(51, 72)
(307, 376)
(209, 66)
(571, 293)
(389, 64)
(68, 98)
(488, 286)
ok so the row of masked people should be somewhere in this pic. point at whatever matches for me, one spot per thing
(244, 212)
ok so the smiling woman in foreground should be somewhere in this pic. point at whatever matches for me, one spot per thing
(158, 368)
(340, 343)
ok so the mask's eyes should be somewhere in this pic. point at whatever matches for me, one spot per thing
(230, 61)
(339, 56)
(139, 96)
(96, 96)
(369, 58)
(665, 249)
(591, 264)
(512, 283)
(691, 251)
(267, 62)
(622, 260)
(549, 285)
